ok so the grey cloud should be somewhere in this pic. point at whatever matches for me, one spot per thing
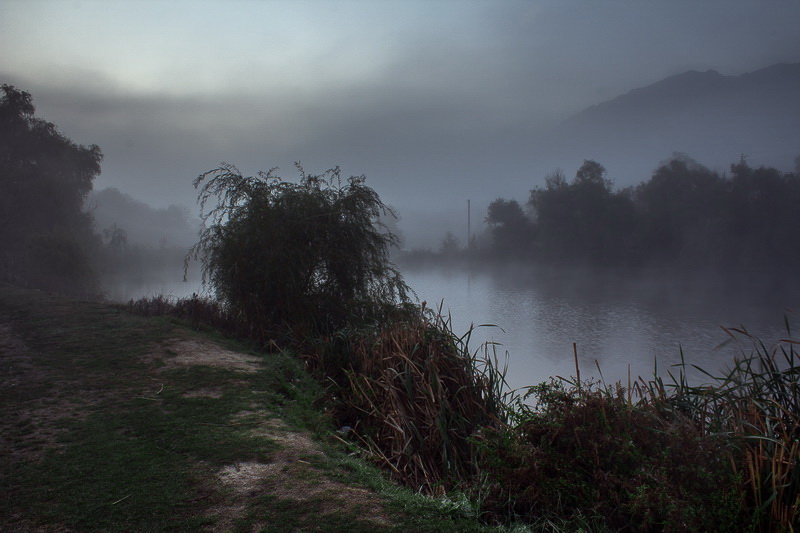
(448, 116)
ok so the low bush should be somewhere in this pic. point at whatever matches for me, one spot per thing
(199, 311)
(755, 404)
(585, 450)
(60, 262)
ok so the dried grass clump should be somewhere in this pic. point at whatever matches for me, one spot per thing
(422, 397)
(199, 311)
(657, 455)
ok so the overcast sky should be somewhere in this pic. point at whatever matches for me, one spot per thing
(435, 101)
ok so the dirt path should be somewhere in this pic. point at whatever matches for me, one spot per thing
(291, 475)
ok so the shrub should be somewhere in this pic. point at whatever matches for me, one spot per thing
(58, 261)
(199, 311)
(586, 451)
(757, 404)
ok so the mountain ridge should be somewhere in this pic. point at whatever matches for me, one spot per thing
(710, 116)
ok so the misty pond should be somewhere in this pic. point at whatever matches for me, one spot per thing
(614, 319)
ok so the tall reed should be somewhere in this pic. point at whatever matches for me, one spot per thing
(757, 404)
(423, 395)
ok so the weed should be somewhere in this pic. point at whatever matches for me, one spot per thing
(419, 396)
(756, 403)
(585, 451)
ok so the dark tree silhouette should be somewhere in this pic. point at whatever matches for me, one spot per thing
(763, 215)
(684, 210)
(582, 221)
(512, 231)
(45, 177)
(592, 174)
(685, 215)
(449, 246)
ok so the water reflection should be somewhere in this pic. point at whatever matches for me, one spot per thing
(616, 320)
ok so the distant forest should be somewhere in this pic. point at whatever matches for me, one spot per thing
(685, 215)
(55, 232)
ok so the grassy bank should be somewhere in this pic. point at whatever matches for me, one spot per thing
(114, 421)
(653, 455)
(118, 422)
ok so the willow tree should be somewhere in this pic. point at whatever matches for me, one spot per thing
(311, 255)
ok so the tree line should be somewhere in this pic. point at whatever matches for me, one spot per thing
(49, 236)
(684, 215)
(45, 233)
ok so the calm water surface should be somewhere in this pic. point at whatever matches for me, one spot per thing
(617, 320)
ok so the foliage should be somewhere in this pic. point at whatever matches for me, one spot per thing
(682, 209)
(582, 221)
(658, 455)
(45, 179)
(310, 256)
(511, 229)
(416, 396)
(757, 402)
(449, 246)
(684, 215)
(586, 451)
(762, 203)
(198, 311)
(59, 261)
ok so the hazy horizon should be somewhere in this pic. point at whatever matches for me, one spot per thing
(435, 102)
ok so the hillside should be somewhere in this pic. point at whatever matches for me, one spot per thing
(710, 116)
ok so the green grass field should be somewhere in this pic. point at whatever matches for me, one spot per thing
(117, 422)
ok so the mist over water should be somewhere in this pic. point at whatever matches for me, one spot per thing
(614, 319)
(166, 282)
(617, 319)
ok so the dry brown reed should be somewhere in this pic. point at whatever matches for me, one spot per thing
(423, 396)
(755, 404)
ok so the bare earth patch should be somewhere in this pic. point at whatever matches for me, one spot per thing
(199, 352)
(290, 475)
